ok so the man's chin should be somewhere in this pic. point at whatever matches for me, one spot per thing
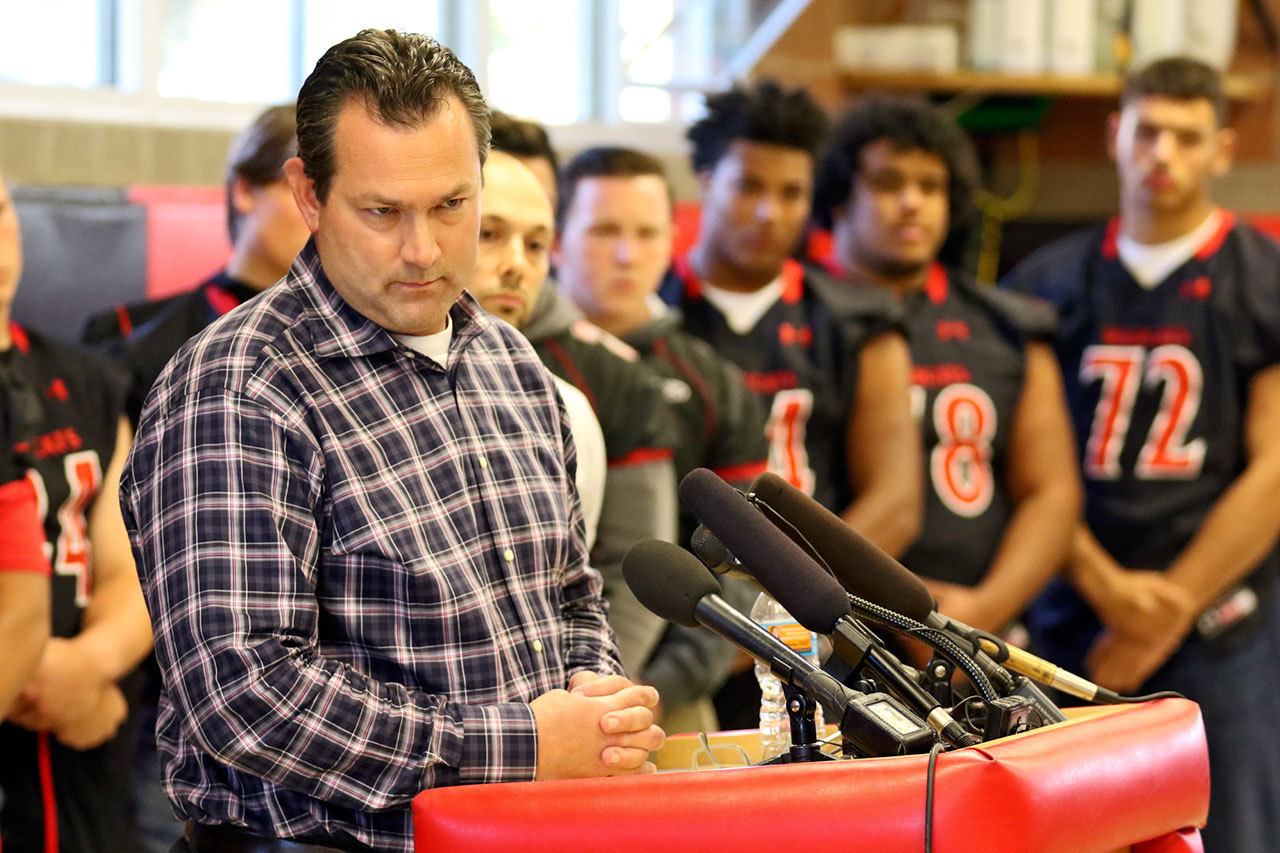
(760, 264)
(502, 312)
(900, 267)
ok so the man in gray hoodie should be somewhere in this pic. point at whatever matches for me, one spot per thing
(639, 502)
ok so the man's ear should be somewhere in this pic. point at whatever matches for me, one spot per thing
(304, 192)
(1227, 140)
(1113, 130)
(704, 181)
(240, 196)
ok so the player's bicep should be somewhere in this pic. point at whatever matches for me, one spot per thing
(1042, 451)
(883, 440)
(107, 534)
(1262, 417)
(24, 628)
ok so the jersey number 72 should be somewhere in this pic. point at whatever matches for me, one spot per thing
(1165, 454)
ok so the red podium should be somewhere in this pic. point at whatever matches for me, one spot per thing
(1111, 779)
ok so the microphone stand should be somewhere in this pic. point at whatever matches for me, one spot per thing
(805, 745)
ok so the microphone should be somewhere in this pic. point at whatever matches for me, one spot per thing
(810, 595)
(673, 584)
(711, 551)
(866, 571)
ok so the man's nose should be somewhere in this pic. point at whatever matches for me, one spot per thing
(513, 263)
(418, 246)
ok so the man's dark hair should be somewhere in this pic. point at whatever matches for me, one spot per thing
(522, 138)
(605, 162)
(402, 78)
(907, 124)
(257, 155)
(765, 113)
(1178, 77)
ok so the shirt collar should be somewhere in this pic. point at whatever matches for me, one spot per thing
(337, 330)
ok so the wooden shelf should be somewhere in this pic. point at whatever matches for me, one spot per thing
(1240, 87)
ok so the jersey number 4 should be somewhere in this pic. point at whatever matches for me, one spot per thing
(70, 554)
(1166, 454)
(788, 423)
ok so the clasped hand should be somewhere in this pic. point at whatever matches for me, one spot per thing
(68, 698)
(601, 726)
(1147, 617)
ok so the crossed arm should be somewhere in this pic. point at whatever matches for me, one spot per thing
(73, 692)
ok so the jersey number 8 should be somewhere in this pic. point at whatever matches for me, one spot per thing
(964, 419)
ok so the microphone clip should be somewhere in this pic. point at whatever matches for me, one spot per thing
(805, 745)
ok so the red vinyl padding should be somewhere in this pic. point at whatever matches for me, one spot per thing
(1184, 841)
(187, 237)
(1124, 776)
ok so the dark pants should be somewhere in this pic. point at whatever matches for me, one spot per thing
(153, 814)
(198, 838)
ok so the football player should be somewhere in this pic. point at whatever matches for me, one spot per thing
(1002, 497)
(1169, 341)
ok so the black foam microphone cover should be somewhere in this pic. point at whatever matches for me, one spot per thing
(668, 580)
(789, 574)
(859, 565)
(707, 548)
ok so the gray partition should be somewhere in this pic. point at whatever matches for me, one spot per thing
(84, 250)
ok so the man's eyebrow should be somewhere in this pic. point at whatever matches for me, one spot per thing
(1176, 127)
(498, 218)
(377, 199)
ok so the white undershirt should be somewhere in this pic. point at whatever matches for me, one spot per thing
(743, 310)
(592, 461)
(656, 307)
(434, 347)
(1151, 263)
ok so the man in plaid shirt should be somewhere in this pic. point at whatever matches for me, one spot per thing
(352, 504)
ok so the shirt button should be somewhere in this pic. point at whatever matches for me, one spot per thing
(537, 645)
(410, 353)
(484, 463)
(509, 555)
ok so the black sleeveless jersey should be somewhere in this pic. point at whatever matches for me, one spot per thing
(1157, 379)
(81, 400)
(968, 363)
(801, 360)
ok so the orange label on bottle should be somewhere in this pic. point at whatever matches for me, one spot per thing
(795, 636)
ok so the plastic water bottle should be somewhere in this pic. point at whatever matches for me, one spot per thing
(775, 723)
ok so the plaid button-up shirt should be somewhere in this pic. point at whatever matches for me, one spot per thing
(361, 565)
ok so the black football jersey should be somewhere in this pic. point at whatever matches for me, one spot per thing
(1157, 378)
(801, 360)
(719, 422)
(154, 331)
(81, 404)
(624, 395)
(968, 364)
(46, 784)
